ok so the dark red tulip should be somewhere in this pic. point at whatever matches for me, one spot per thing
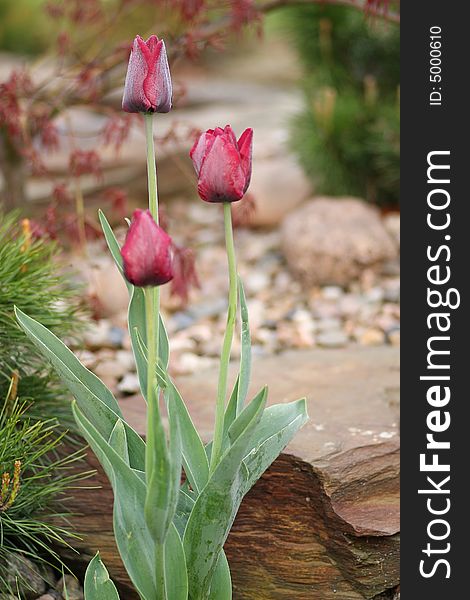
(148, 86)
(146, 253)
(222, 164)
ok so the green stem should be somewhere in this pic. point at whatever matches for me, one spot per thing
(151, 167)
(153, 207)
(228, 338)
(155, 431)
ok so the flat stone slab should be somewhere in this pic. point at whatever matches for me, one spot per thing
(322, 523)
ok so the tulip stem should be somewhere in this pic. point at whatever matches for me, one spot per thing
(154, 292)
(151, 167)
(155, 430)
(228, 338)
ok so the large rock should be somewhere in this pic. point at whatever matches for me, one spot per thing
(322, 523)
(333, 240)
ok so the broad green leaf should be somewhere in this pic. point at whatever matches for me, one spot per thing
(196, 465)
(94, 399)
(277, 427)
(231, 411)
(118, 440)
(176, 576)
(98, 585)
(159, 477)
(245, 356)
(135, 544)
(221, 585)
(183, 510)
(215, 509)
(246, 416)
(176, 458)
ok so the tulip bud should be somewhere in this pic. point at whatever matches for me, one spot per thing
(222, 164)
(148, 86)
(146, 252)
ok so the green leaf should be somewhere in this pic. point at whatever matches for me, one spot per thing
(231, 411)
(246, 416)
(245, 356)
(196, 465)
(118, 441)
(221, 585)
(135, 544)
(277, 427)
(98, 585)
(176, 576)
(215, 508)
(94, 399)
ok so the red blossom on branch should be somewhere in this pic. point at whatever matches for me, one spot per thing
(184, 273)
(85, 162)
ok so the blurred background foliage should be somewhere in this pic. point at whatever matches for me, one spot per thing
(348, 136)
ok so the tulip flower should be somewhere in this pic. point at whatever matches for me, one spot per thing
(146, 253)
(223, 164)
(148, 86)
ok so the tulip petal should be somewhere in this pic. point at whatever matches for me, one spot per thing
(221, 177)
(245, 146)
(134, 99)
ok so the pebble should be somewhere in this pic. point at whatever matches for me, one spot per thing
(188, 363)
(18, 568)
(332, 339)
(110, 369)
(372, 337)
(72, 586)
(394, 337)
(332, 292)
(331, 324)
(126, 359)
(129, 384)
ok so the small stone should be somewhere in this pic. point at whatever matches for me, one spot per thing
(126, 359)
(332, 339)
(116, 336)
(372, 337)
(110, 369)
(332, 292)
(96, 336)
(182, 320)
(394, 337)
(129, 384)
(329, 325)
(54, 594)
(188, 363)
(23, 573)
(49, 597)
(350, 304)
(375, 294)
(72, 586)
(256, 281)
